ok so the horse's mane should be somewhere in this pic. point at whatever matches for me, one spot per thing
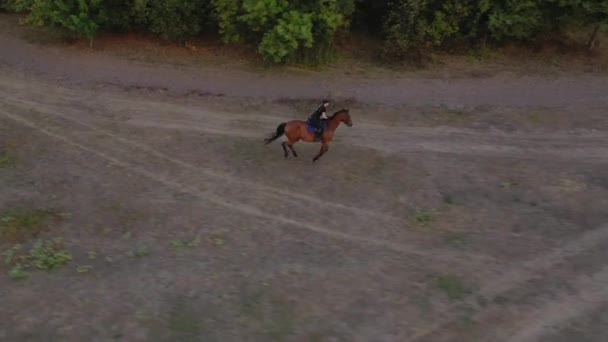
(337, 113)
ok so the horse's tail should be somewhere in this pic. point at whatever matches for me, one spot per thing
(276, 135)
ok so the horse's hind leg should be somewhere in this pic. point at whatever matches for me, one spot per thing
(293, 151)
(285, 152)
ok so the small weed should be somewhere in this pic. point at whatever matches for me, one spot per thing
(109, 259)
(18, 273)
(179, 245)
(458, 114)
(7, 160)
(453, 287)
(424, 216)
(11, 256)
(195, 242)
(216, 241)
(127, 235)
(140, 252)
(49, 255)
(456, 239)
(84, 268)
(447, 199)
(92, 255)
(508, 185)
(22, 225)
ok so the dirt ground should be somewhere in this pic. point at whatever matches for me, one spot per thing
(470, 209)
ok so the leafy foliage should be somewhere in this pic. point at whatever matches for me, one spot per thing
(22, 225)
(17, 6)
(292, 31)
(49, 255)
(282, 29)
(285, 30)
(178, 19)
(44, 255)
(82, 18)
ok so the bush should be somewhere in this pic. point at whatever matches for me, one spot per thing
(82, 18)
(299, 30)
(292, 32)
(124, 16)
(17, 6)
(514, 19)
(281, 29)
(178, 20)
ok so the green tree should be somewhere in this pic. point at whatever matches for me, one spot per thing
(16, 5)
(178, 19)
(282, 30)
(292, 32)
(82, 18)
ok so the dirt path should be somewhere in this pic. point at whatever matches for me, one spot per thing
(446, 230)
(504, 90)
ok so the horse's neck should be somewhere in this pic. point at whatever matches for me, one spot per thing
(334, 123)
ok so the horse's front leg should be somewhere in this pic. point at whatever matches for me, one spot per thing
(322, 151)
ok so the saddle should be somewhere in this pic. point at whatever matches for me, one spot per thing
(313, 130)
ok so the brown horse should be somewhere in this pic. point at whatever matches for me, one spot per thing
(296, 130)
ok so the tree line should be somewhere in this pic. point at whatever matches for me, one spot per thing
(304, 30)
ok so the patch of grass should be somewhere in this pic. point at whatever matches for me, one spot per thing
(45, 255)
(251, 302)
(184, 321)
(49, 255)
(18, 273)
(424, 216)
(23, 225)
(182, 244)
(281, 327)
(458, 114)
(453, 286)
(7, 160)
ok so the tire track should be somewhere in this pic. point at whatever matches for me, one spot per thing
(589, 147)
(217, 200)
(519, 275)
(211, 173)
(401, 140)
(592, 293)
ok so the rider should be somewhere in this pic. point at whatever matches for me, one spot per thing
(317, 117)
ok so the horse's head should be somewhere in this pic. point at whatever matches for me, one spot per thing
(344, 116)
